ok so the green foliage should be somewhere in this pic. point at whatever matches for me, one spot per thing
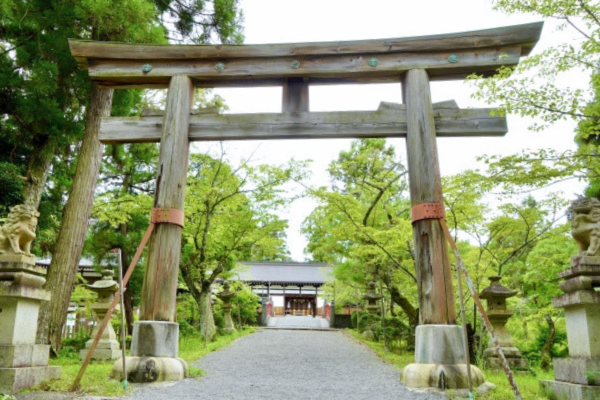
(362, 227)
(12, 186)
(542, 87)
(231, 215)
(538, 86)
(244, 304)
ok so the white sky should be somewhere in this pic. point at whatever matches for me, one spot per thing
(281, 21)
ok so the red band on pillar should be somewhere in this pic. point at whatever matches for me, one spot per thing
(167, 216)
(427, 211)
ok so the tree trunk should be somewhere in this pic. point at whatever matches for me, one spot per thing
(206, 318)
(547, 349)
(38, 168)
(69, 244)
(411, 312)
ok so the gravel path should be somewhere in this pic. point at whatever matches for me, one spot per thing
(289, 364)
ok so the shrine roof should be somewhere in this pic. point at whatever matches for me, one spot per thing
(291, 273)
(444, 56)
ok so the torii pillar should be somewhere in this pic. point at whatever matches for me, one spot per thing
(155, 341)
(440, 356)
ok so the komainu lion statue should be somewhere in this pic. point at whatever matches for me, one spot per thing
(18, 231)
(585, 225)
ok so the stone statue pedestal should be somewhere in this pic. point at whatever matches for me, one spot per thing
(154, 351)
(440, 362)
(22, 362)
(498, 314)
(108, 347)
(578, 376)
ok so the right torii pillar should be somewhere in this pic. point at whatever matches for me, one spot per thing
(440, 356)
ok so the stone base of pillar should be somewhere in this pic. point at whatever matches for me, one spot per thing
(556, 390)
(22, 362)
(154, 351)
(151, 369)
(440, 362)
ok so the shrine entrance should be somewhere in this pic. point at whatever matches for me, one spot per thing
(291, 287)
(414, 62)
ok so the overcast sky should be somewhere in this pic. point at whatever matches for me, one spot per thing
(284, 21)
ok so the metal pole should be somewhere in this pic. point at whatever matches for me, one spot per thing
(208, 298)
(385, 349)
(465, 336)
(123, 336)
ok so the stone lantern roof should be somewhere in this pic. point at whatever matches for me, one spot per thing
(496, 290)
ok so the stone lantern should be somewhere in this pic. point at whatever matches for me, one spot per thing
(108, 346)
(372, 298)
(498, 314)
(23, 363)
(225, 297)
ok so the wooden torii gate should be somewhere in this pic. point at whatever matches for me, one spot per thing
(412, 61)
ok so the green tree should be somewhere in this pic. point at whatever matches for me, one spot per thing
(230, 216)
(361, 225)
(46, 96)
(542, 87)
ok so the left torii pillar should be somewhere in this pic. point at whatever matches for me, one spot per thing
(155, 341)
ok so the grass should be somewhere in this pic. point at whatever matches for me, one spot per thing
(528, 384)
(96, 382)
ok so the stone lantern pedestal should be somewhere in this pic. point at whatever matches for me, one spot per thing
(108, 346)
(22, 362)
(578, 376)
(498, 314)
(372, 297)
(225, 297)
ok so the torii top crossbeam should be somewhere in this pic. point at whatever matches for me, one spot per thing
(444, 57)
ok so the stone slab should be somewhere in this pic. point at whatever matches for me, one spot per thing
(439, 344)
(18, 258)
(9, 289)
(151, 369)
(15, 379)
(155, 339)
(18, 320)
(24, 355)
(583, 330)
(576, 298)
(584, 371)
(515, 364)
(555, 390)
(101, 354)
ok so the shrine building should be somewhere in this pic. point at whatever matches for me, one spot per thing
(293, 286)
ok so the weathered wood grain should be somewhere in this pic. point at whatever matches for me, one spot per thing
(204, 73)
(390, 122)
(434, 279)
(525, 35)
(162, 268)
(295, 96)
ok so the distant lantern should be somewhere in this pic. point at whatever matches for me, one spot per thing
(498, 314)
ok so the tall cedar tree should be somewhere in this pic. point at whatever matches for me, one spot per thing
(45, 95)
